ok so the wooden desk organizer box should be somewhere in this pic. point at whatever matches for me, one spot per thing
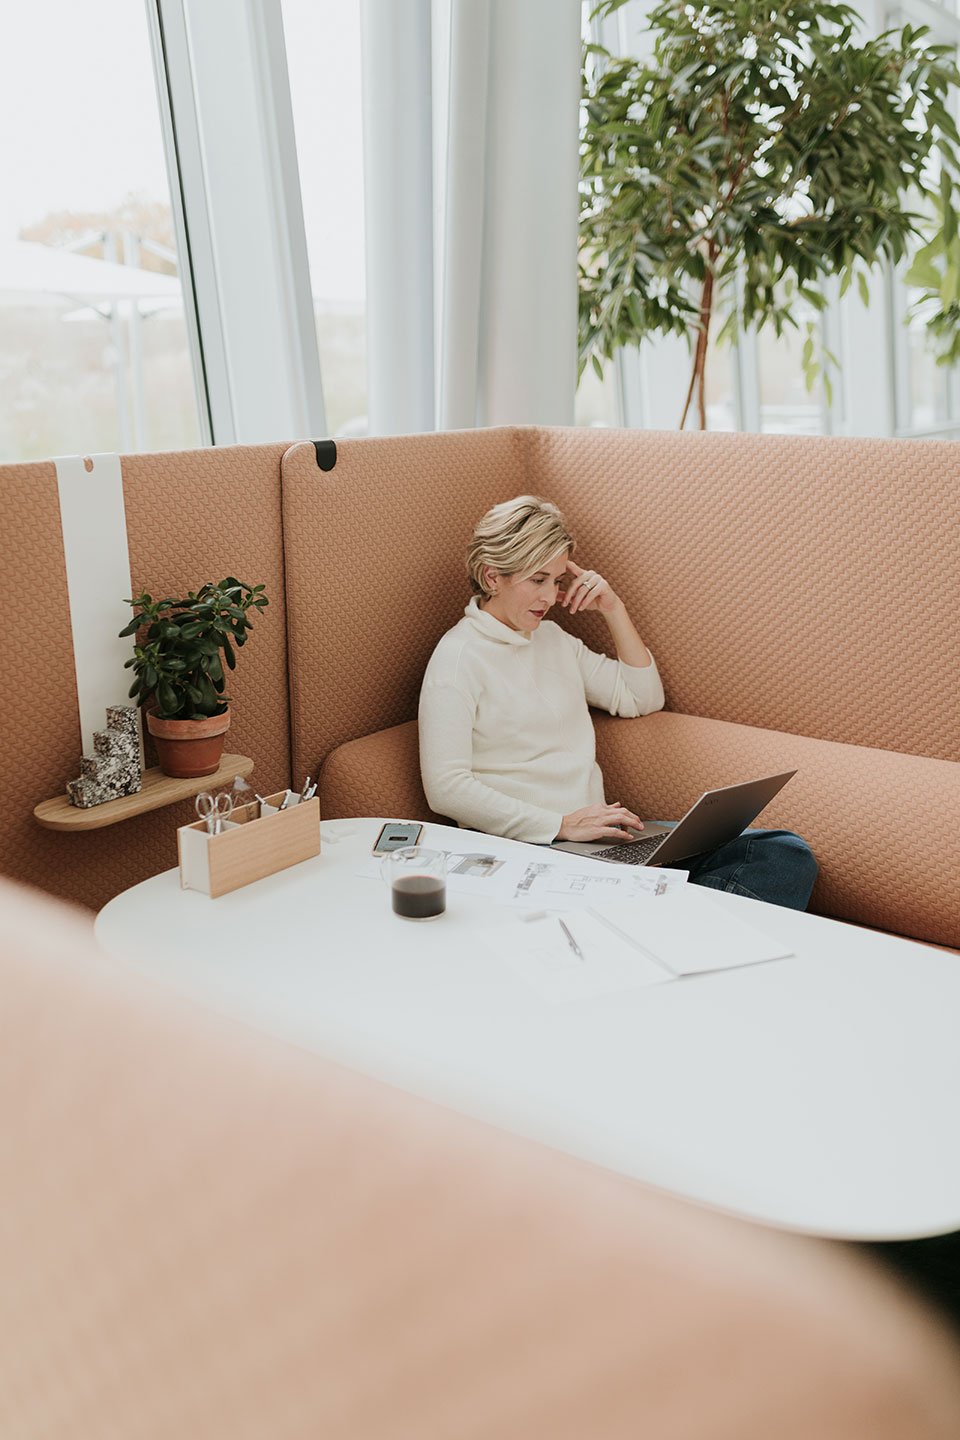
(251, 847)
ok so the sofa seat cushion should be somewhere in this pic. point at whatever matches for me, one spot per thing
(882, 824)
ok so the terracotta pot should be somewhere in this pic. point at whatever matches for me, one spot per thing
(189, 748)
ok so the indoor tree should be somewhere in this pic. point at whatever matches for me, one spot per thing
(763, 148)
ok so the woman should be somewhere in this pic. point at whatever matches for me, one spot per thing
(506, 741)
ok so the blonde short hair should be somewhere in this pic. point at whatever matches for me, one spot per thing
(518, 537)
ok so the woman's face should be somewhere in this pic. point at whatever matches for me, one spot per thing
(522, 604)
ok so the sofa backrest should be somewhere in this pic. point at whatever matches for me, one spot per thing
(801, 584)
(798, 583)
(375, 574)
(209, 1233)
(191, 516)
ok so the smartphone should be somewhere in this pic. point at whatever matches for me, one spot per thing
(395, 835)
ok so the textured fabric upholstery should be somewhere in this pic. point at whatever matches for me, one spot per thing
(375, 571)
(378, 774)
(191, 516)
(876, 819)
(801, 583)
(205, 1233)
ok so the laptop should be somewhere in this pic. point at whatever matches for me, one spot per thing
(718, 816)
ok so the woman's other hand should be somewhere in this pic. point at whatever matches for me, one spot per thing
(600, 822)
(588, 591)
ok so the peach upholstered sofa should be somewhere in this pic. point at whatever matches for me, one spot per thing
(206, 1233)
(800, 595)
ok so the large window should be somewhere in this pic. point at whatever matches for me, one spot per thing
(94, 352)
(323, 60)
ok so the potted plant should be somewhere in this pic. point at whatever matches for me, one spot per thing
(178, 667)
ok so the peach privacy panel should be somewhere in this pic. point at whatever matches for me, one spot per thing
(374, 552)
(191, 516)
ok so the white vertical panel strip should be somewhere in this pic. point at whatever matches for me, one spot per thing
(464, 170)
(528, 352)
(98, 582)
(398, 201)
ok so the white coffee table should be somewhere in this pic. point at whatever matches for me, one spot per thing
(818, 1093)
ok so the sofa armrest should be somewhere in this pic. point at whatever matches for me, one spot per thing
(377, 774)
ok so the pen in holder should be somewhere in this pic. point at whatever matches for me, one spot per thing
(260, 838)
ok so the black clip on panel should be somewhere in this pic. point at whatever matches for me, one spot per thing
(326, 453)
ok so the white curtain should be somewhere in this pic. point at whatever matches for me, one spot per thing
(471, 115)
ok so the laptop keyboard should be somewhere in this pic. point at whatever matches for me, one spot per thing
(632, 854)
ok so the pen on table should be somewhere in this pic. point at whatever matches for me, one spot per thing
(571, 942)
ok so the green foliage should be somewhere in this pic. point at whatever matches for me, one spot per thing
(178, 659)
(763, 149)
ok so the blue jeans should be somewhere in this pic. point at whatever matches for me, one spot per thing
(772, 865)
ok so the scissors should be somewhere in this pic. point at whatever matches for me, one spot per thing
(214, 809)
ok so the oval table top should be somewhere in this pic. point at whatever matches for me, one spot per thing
(816, 1093)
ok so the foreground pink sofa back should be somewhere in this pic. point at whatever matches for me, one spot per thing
(206, 1233)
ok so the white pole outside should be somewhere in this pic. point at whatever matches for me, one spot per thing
(118, 345)
(131, 256)
(528, 351)
(398, 200)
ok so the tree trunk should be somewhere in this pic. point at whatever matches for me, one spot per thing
(698, 374)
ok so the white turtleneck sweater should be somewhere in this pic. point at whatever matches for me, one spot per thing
(506, 741)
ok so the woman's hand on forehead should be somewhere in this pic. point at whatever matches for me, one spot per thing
(586, 590)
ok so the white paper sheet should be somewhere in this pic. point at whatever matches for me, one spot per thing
(689, 933)
(560, 889)
(541, 956)
(468, 873)
(543, 884)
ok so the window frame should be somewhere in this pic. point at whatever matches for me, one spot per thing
(945, 28)
(231, 151)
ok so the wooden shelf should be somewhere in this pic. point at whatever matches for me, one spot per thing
(158, 790)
